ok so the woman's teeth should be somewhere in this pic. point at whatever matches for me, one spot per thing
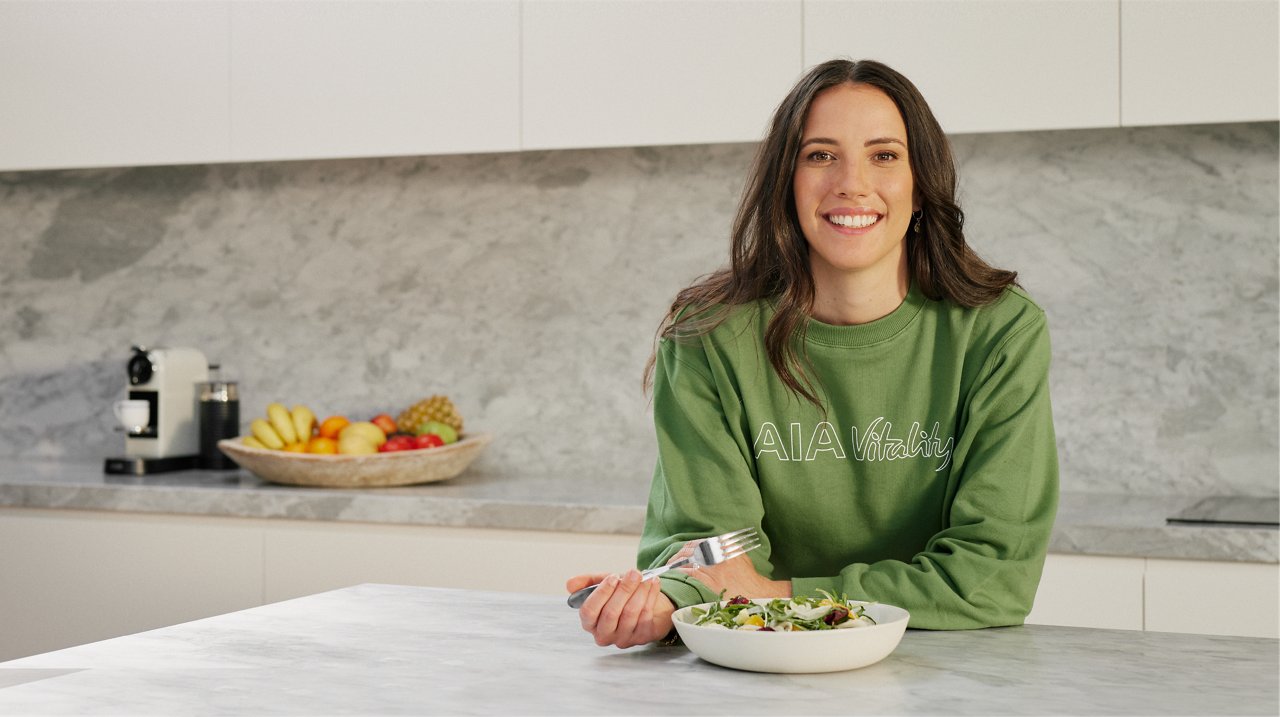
(857, 221)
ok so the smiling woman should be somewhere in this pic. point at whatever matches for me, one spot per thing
(854, 199)
(918, 466)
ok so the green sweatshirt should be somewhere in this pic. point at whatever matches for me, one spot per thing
(930, 483)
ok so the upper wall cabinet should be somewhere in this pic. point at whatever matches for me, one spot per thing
(994, 66)
(601, 74)
(353, 78)
(85, 84)
(1197, 62)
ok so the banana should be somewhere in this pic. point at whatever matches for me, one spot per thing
(282, 422)
(303, 420)
(265, 433)
(252, 442)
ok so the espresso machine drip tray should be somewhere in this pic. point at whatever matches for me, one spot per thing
(1231, 511)
(131, 466)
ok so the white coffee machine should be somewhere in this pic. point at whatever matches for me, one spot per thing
(166, 379)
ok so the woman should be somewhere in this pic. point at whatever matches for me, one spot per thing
(858, 385)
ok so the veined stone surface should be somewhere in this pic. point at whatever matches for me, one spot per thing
(528, 287)
(388, 649)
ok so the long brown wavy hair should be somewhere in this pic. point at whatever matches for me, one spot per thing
(769, 256)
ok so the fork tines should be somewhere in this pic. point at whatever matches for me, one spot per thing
(735, 533)
(738, 542)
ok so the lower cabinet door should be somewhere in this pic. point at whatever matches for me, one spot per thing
(1090, 591)
(1213, 598)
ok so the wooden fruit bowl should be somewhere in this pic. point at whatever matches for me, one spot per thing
(378, 470)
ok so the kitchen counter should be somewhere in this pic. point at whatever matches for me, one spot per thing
(1092, 524)
(386, 649)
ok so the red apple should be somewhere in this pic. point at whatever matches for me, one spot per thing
(399, 442)
(427, 440)
(385, 422)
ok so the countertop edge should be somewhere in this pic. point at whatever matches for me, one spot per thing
(1118, 525)
(330, 506)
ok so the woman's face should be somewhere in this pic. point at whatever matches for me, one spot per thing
(853, 188)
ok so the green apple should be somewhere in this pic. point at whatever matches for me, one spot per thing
(444, 430)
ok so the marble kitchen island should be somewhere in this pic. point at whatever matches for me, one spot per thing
(387, 649)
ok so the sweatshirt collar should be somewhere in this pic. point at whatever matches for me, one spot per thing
(876, 331)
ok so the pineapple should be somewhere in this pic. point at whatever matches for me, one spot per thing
(436, 408)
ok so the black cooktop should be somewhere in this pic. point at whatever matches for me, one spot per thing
(1239, 511)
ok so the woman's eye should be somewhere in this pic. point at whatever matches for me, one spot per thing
(885, 156)
(820, 155)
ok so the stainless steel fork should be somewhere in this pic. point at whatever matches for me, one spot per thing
(708, 552)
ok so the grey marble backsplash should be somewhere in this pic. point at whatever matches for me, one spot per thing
(528, 287)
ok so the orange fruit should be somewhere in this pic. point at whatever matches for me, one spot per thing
(294, 448)
(320, 444)
(332, 426)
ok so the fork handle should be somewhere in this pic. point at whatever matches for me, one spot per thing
(579, 597)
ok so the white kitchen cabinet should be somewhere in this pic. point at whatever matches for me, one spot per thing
(1213, 598)
(354, 79)
(623, 73)
(86, 84)
(1199, 61)
(1090, 591)
(991, 66)
(70, 577)
(1191, 596)
(303, 558)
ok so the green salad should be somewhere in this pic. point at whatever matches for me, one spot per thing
(797, 614)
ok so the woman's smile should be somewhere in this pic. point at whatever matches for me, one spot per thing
(853, 222)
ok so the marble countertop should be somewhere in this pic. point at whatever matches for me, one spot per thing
(1087, 523)
(386, 649)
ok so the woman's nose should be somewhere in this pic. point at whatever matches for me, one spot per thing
(852, 180)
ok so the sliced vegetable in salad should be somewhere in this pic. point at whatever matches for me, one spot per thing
(797, 614)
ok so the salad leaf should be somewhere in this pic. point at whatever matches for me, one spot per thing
(795, 614)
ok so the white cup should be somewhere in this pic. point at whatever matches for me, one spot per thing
(134, 414)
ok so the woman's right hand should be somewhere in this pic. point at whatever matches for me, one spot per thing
(624, 610)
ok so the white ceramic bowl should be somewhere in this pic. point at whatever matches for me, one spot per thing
(795, 652)
(378, 470)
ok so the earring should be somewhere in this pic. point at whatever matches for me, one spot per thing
(919, 214)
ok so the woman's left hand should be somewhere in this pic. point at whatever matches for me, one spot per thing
(736, 576)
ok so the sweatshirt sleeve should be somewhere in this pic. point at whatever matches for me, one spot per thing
(703, 484)
(983, 568)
